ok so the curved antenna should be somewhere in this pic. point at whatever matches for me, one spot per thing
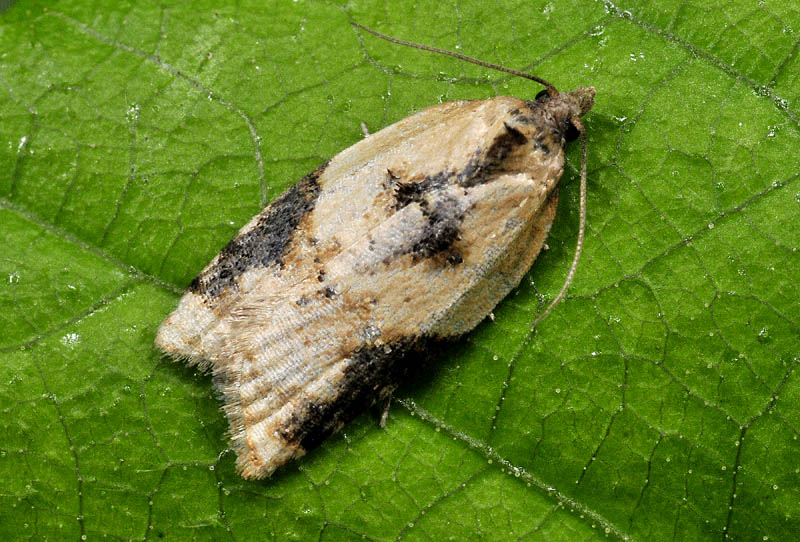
(581, 227)
(551, 90)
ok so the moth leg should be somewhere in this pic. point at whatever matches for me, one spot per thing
(385, 414)
(364, 129)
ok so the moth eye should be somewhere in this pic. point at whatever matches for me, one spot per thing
(572, 133)
(541, 94)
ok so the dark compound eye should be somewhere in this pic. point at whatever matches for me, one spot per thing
(572, 133)
(541, 93)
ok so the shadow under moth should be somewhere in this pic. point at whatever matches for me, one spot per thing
(414, 234)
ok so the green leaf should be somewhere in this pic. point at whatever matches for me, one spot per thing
(660, 401)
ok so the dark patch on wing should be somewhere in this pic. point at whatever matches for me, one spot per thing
(328, 292)
(485, 162)
(265, 243)
(409, 192)
(543, 143)
(443, 216)
(374, 372)
(483, 165)
(442, 230)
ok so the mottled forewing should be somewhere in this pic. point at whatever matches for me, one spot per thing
(414, 235)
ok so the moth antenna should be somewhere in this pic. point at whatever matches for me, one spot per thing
(581, 227)
(551, 90)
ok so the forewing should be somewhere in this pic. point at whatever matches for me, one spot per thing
(412, 235)
(307, 225)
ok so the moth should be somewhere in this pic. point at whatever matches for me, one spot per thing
(414, 234)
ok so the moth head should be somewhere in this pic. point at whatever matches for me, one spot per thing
(567, 108)
(584, 99)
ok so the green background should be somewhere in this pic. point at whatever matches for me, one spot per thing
(660, 401)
